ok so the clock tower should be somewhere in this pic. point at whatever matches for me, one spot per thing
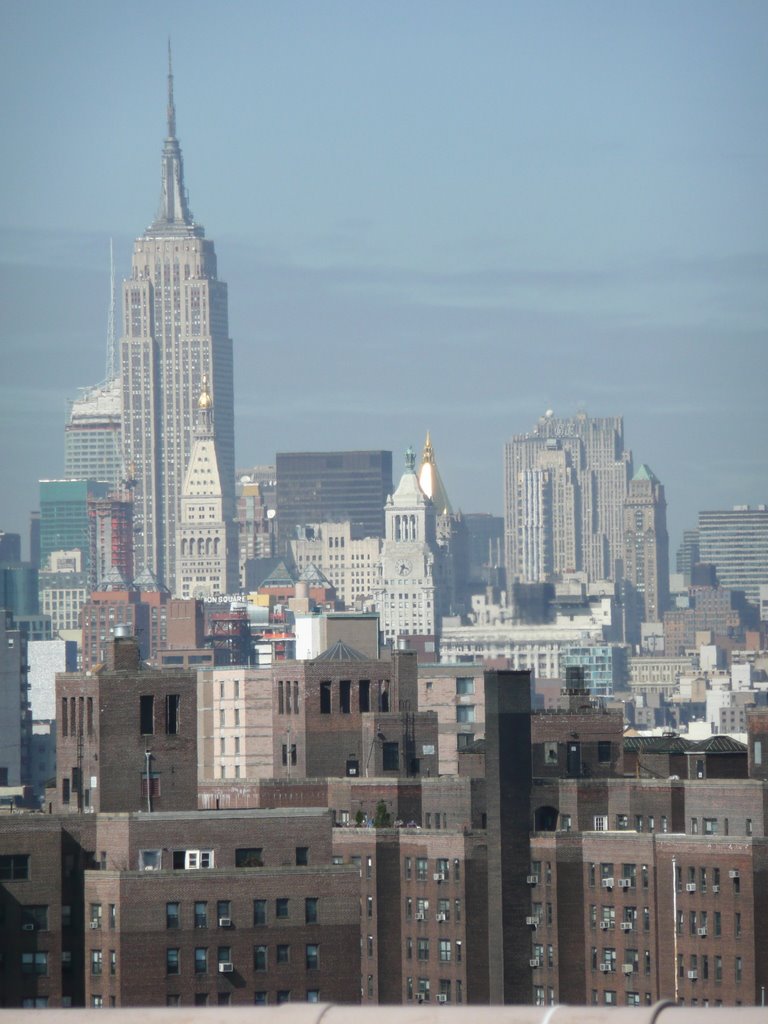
(407, 596)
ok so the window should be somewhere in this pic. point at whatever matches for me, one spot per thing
(604, 751)
(345, 699)
(390, 756)
(325, 698)
(718, 968)
(191, 860)
(201, 914)
(223, 912)
(259, 912)
(281, 907)
(171, 915)
(260, 999)
(423, 990)
(224, 955)
(285, 754)
(201, 960)
(172, 705)
(444, 950)
(738, 968)
(407, 867)
(465, 686)
(313, 956)
(422, 949)
(173, 1000)
(201, 998)
(34, 918)
(249, 857)
(14, 866)
(150, 860)
(313, 994)
(310, 909)
(147, 714)
(283, 954)
(171, 961)
(710, 826)
(283, 996)
(465, 713)
(223, 998)
(442, 867)
(95, 915)
(302, 856)
(34, 963)
(458, 951)
(113, 962)
(260, 958)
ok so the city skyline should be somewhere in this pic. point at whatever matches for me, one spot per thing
(457, 219)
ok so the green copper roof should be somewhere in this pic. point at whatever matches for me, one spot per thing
(645, 473)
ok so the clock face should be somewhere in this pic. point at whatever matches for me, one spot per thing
(404, 567)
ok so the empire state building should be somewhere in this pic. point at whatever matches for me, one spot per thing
(176, 334)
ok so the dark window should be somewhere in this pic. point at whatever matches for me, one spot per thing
(345, 701)
(313, 956)
(171, 961)
(391, 756)
(201, 914)
(259, 912)
(285, 753)
(249, 857)
(14, 866)
(325, 698)
(260, 999)
(283, 954)
(171, 915)
(172, 705)
(310, 910)
(65, 791)
(365, 694)
(36, 917)
(281, 907)
(604, 751)
(201, 998)
(302, 856)
(259, 958)
(147, 714)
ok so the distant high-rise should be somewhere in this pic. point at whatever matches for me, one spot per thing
(646, 545)
(735, 541)
(175, 333)
(92, 445)
(688, 554)
(564, 489)
(332, 487)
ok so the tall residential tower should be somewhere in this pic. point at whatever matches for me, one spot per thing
(175, 333)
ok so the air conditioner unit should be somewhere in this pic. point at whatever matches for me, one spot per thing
(627, 968)
(95, 924)
(420, 915)
(420, 997)
(438, 877)
(226, 968)
(605, 925)
(441, 917)
(626, 926)
(606, 968)
(607, 883)
(225, 922)
(693, 975)
(534, 962)
(733, 873)
(532, 879)
(28, 926)
(715, 888)
(442, 997)
(532, 920)
(702, 932)
(625, 883)
(690, 887)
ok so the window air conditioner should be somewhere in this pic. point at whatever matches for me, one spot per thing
(626, 926)
(605, 925)
(28, 926)
(420, 997)
(733, 873)
(606, 968)
(442, 997)
(534, 962)
(693, 975)
(420, 915)
(94, 924)
(532, 920)
(690, 887)
(225, 922)
(607, 883)
(226, 968)
(532, 879)
(715, 888)
(441, 917)
(625, 883)
(438, 877)
(627, 968)
(702, 932)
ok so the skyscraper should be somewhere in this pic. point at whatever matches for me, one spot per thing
(735, 541)
(564, 489)
(646, 544)
(175, 333)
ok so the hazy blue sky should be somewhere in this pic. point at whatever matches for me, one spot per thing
(431, 215)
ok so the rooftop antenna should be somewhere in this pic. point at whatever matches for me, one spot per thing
(111, 368)
(171, 107)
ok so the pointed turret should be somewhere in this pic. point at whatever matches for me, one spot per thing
(174, 213)
(431, 482)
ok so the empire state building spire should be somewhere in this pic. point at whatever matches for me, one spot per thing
(174, 213)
